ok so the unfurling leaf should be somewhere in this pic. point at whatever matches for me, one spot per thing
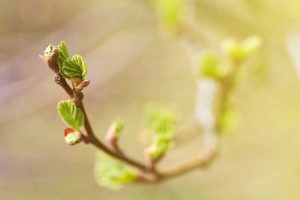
(74, 67)
(63, 53)
(112, 173)
(163, 125)
(70, 114)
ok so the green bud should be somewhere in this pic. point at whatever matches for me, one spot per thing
(210, 66)
(114, 132)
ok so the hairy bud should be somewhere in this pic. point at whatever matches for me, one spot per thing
(72, 136)
(50, 58)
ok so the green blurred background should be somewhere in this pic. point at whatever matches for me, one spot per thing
(132, 62)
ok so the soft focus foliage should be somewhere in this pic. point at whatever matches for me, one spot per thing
(163, 126)
(111, 173)
(241, 50)
(170, 13)
(210, 66)
(229, 120)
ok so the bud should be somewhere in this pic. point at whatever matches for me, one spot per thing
(241, 50)
(83, 85)
(76, 81)
(50, 58)
(72, 136)
(210, 66)
(114, 132)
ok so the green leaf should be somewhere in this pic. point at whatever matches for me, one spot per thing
(112, 173)
(63, 53)
(70, 114)
(74, 67)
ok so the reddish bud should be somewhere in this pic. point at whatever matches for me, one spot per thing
(83, 85)
(50, 58)
(72, 136)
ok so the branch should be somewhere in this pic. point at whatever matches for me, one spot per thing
(90, 136)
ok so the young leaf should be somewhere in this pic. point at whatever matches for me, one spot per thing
(63, 53)
(74, 67)
(70, 114)
(112, 173)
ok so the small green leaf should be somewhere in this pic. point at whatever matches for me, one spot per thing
(70, 114)
(112, 173)
(74, 67)
(63, 53)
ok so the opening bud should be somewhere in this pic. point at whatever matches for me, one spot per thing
(72, 136)
(114, 132)
(50, 58)
(83, 85)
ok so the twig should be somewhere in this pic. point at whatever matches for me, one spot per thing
(90, 136)
(150, 173)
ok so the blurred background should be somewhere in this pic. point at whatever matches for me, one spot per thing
(131, 62)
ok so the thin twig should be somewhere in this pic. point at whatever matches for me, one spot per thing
(90, 136)
(150, 173)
